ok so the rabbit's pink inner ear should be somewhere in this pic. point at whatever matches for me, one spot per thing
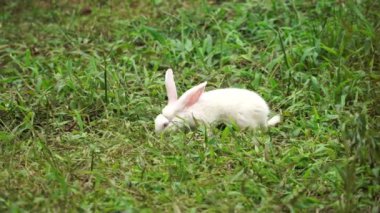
(171, 89)
(194, 94)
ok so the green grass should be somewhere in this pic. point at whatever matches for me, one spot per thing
(82, 81)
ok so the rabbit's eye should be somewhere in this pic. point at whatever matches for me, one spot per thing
(165, 125)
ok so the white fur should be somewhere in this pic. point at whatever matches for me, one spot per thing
(246, 108)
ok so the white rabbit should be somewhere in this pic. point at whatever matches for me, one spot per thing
(246, 108)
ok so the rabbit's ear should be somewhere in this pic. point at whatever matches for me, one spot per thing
(171, 90)
(191, 96)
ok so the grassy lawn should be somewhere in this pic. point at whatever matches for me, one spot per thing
(82, 81)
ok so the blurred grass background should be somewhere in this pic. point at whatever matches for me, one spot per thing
(82, 81)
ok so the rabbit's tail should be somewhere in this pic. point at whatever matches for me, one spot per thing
(274, 120)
